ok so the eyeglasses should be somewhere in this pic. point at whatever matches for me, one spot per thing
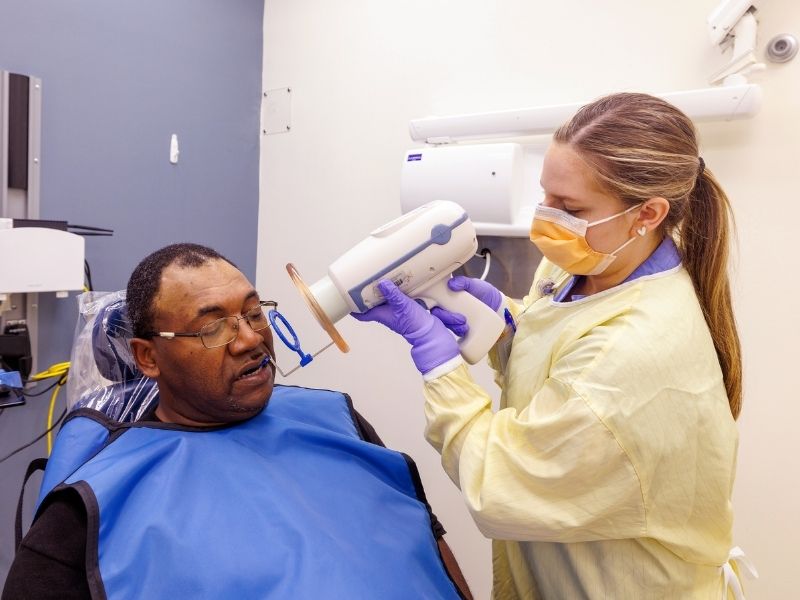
(223, 331)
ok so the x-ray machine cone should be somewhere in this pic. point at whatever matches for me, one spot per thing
(417, 251)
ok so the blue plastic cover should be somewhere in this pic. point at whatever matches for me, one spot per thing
(103, 374)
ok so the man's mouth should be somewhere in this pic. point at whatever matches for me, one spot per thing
(254, 370)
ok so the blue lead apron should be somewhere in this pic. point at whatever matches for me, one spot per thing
(289, 504)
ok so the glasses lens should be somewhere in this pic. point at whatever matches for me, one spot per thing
(219, 332)
(257, 318)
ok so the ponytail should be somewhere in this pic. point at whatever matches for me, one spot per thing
(704, 240)
(641, 147)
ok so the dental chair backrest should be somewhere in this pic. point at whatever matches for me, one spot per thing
(104, 375)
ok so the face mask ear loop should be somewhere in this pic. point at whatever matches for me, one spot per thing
(619, 214)
(618, 250)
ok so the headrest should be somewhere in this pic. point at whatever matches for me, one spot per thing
(110, 335)
(103, 374)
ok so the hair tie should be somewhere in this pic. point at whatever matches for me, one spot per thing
(701, 169)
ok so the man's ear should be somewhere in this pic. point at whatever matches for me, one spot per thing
(144, 354)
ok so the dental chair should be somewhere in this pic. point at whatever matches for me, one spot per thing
(104, 377)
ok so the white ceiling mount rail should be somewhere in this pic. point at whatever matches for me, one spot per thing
(732, 25)
(723, 103)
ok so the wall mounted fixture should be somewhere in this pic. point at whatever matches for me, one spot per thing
(722, 103)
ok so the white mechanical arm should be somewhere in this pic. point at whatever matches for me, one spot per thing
(733, 23)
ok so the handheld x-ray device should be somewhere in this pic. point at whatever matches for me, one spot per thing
(417, 251)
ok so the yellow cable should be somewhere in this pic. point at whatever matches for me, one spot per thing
(59, 370)
(56, 370)
(50, 412)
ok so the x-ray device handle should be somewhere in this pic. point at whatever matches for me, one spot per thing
(485, 325)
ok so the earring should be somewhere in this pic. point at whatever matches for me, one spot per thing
(642, 231)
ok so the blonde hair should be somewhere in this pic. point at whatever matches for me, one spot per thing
(642, 147)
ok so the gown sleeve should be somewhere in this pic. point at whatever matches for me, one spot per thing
(540, 474)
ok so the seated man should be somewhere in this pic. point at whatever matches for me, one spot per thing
(229, 487)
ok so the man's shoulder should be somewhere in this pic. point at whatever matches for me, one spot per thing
(324, 407)
(333, 400)
(56, 545)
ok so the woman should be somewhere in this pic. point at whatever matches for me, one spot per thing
(608, 470)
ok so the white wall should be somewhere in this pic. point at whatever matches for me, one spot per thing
(360, 69)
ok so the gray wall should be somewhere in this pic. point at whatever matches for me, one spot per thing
(118, 78)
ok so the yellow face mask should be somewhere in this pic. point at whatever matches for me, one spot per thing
(561, 238)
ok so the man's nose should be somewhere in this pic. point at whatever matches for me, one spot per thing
(247, 339)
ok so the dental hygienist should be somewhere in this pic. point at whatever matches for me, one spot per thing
(608, 470)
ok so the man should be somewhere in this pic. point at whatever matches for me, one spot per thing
(228, 488)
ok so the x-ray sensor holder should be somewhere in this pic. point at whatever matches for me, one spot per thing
(277, 320)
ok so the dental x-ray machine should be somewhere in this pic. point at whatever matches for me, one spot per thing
(417, 251)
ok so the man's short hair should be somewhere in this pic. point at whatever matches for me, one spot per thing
(145, 281)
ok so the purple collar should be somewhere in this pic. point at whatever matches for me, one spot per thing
(663, 258)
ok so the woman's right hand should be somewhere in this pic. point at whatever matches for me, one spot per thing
(482, 290)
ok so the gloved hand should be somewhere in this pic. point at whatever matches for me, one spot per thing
(482, 290)
(431, 344)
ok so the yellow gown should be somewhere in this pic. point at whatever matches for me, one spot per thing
(608, 470)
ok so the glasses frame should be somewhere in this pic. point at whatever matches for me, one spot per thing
(262, 304)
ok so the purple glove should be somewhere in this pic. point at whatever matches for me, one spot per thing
(482, 290)
(431, 344)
